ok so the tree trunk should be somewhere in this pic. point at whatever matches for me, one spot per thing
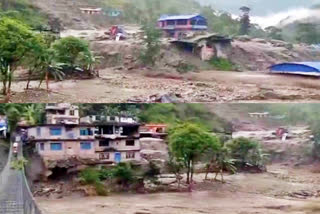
(4, 89)
(188, 172)
(192, 169)
(47, 80)
(29, 78)
(9, 82)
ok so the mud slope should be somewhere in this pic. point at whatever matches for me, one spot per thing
(68, 12)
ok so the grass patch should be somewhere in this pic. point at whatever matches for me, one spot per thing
(221, 64)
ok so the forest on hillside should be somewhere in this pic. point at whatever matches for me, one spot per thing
(140, 11)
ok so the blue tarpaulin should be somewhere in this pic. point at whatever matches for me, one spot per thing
(303, 68)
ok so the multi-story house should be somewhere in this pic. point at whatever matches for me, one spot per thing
(175, 26)
(100, 139)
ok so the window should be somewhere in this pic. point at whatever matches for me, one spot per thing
(104, 156)
(85, 145)
(112, 118)
(171, 22)
(104, 143)
(56, 146)
(55, 131)
(86, 132)
(129, 142)
(41, 147)
(72, 112)
(182, 22)
(38, 131)
(130, 155)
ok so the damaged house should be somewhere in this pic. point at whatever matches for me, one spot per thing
(67, 140)
(205, 46)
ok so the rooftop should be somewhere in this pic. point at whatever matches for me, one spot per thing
(177, 17)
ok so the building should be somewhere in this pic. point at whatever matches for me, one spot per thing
(299, 68)
(104, 140)
(259, 114)
(176, 26)
(62, 113)
(206, 46)
(153, 131)
(91, 11)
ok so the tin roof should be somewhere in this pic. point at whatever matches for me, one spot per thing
(306, 68)
(177, 17)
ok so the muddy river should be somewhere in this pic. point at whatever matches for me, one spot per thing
(266, 193)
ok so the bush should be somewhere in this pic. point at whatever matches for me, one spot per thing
(90, 176)
(19, 164)
(221, 64)
(123, 173)
(246, 152)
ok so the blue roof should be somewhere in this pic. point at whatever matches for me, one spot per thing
(307, 68)
(178, 17)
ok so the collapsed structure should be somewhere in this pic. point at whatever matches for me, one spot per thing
(96, 138)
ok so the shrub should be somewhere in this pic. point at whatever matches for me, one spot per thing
(90, 176)
(123, 173)
(246, 152)
(221, 64)
(19, 164)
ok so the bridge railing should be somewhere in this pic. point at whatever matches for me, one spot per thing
(29, 203)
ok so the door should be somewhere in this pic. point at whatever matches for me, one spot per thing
(117, 157)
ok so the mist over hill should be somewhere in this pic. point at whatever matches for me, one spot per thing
(260, 7)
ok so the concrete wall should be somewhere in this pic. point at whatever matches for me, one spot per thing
(73, 133)
(73, 149)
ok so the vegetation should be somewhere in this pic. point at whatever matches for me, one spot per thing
(23, 11)
(221, 64)
(245, 21)
(246, 153)
(274, 33)
(188, 142)
(19, 164)
(308, 33)
(73, 52)
(122, 174)
(149, 55)
(16, 39)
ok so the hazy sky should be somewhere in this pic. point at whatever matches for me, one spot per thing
(260, 7)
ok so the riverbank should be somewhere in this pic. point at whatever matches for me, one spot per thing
(275, 192)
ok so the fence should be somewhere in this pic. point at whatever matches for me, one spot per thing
(30, 206)
(16, 197)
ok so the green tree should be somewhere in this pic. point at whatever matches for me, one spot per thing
(274, 33)
(34, 114)
(308, 33)
(150, 53)
(187, 142)
(246, 152)
(16, 39)
(74, 52)
(245, 21)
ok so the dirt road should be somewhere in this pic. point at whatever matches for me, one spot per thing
(243, 194)
(207, 86)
